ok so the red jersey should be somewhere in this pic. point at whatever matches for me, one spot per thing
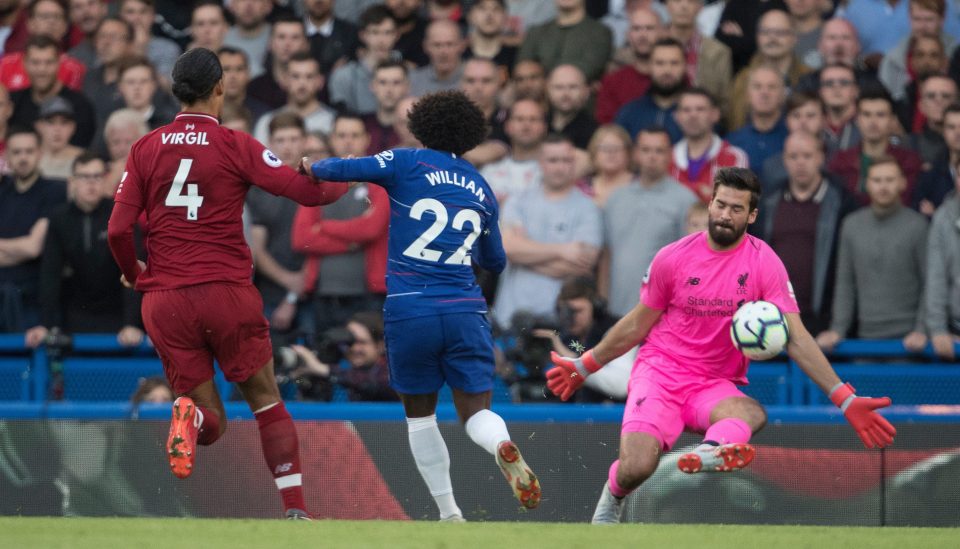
(14, 76)
(720, 154)
(192, 176)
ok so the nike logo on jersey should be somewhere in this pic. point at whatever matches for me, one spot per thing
(184, 138)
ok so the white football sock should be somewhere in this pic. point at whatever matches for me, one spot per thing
(433, 460)
(487, 429)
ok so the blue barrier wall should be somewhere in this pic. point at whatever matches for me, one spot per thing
(96, 368)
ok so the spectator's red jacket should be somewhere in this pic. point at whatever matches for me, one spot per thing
(14, 76)
(846, 166)
(617, 89)
(315, 237)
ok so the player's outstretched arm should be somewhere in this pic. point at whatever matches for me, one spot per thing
(570, 373)
(376, 169)
(860, 412)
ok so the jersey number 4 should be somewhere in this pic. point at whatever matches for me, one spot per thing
(192, 200)
(419, 250)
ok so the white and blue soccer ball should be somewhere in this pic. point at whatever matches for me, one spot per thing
(759, 330)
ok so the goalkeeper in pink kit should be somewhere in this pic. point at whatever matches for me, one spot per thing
(687, 372)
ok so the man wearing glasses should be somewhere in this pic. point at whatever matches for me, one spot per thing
(839, 91)
(89, 298)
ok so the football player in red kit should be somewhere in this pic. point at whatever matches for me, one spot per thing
(199, 304)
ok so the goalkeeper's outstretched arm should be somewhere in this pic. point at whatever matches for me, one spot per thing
(803, 349)
(872, 428)
(627, 333)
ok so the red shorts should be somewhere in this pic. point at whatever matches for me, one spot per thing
(192, 326)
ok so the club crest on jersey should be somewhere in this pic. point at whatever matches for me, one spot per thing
(271, 159)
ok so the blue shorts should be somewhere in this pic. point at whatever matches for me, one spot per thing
(424, 352)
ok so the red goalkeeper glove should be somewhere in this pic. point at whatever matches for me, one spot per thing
(568, 374)
(871, 427)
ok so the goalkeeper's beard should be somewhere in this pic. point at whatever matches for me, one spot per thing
(725, 234)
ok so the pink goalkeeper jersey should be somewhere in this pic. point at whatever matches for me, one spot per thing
(698, 289)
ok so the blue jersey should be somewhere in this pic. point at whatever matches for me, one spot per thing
(443, 215)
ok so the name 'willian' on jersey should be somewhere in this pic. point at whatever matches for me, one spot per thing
(443, 216)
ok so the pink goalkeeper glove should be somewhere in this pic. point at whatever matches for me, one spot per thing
(871, 427)
(568, 374)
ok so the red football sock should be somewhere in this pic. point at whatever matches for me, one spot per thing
(278, 436)
(209, 428)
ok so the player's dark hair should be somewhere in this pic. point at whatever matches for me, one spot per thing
(741, 179)
(448, 121)
(85, 157)
(195, 74)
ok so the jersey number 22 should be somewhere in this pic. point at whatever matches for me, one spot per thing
(419, 250)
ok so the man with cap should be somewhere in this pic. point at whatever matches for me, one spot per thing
(56, 126)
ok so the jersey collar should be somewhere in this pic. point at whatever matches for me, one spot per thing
(191, 115)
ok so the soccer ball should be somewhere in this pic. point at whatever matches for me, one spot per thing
(759, 330)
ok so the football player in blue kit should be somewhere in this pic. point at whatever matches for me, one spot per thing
(443, 218)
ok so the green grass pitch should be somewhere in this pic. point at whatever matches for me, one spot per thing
(135, 533)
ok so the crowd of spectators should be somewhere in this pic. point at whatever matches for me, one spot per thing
(607, 122)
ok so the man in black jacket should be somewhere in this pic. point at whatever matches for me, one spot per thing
(80, 288)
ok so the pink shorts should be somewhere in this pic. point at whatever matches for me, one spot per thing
(663, 406)
(192, 326)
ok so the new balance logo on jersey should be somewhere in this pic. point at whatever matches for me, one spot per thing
(184, 138)
(693, 281)
(282, 468)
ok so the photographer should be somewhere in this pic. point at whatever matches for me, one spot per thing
(353, 357)
(582, 319)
